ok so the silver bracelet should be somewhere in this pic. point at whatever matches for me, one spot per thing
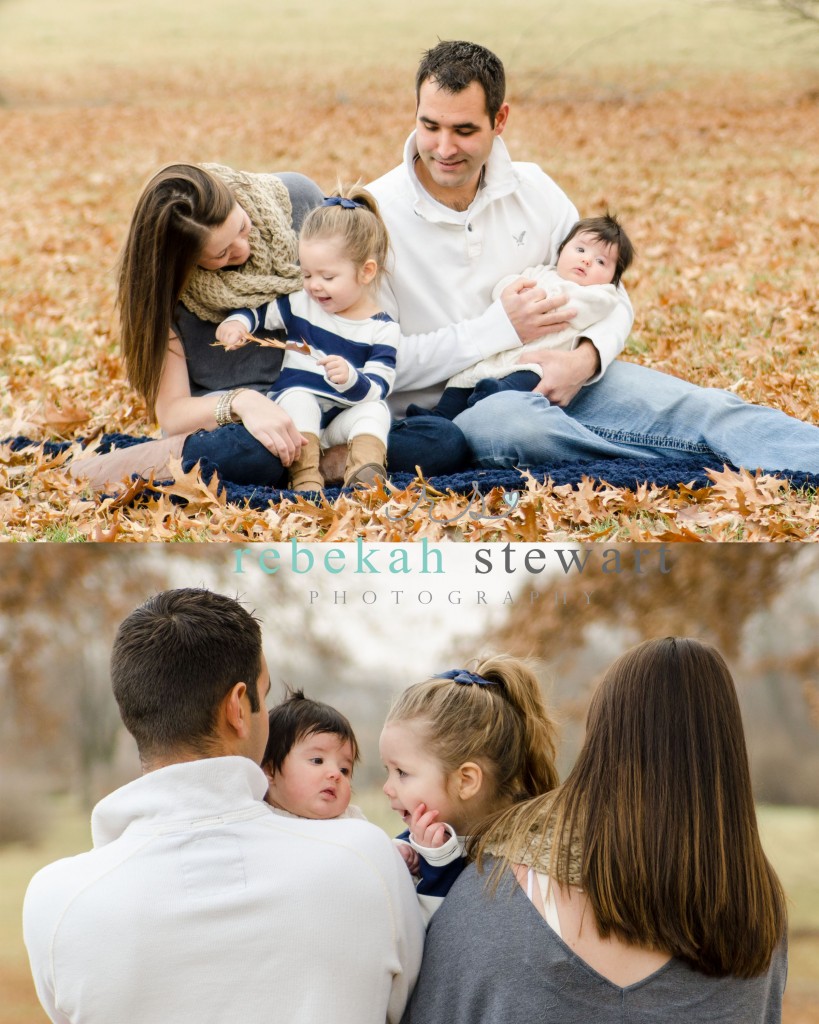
(224, 410)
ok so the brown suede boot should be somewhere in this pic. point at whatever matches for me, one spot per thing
(304, 472)
(366, 460)
(118, 465)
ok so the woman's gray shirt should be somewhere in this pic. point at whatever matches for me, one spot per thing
(494, 960)
(212, 368)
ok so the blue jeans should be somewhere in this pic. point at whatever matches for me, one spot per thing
(431, 442)
(635, 411)
(237, 455)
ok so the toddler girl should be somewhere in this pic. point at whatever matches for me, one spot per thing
(458, 747)
(309, 759)
(339, 365)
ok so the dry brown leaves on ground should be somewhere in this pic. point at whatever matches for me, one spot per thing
(717, 186)
(37, 497)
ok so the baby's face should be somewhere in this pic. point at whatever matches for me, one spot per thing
(587, 260)
(314, 781)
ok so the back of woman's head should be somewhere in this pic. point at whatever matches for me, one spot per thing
(495, 717)
(660, 799)
(351, 214)
(169, 229)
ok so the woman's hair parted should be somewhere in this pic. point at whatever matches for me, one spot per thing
(504, 727)
(298, 717)
(361, 229)
(661, 803)
(169, 229)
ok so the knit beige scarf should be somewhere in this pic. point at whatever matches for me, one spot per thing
(537, 854)
(271, 270)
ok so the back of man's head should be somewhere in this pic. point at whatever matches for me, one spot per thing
(174, 660)
(455, 64)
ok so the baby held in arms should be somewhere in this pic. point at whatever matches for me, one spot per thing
(309, 760)
(591, 259)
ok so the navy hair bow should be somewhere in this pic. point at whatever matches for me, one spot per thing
(348, 204)
(460, 675)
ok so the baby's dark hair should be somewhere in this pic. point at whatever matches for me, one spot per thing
(298, 716)
(605, 229)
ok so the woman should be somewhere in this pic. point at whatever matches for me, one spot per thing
(638, 890)
(205, 240)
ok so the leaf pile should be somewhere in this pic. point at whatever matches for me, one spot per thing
(716, 181)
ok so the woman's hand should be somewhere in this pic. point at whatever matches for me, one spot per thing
(337, 370)
(231, 334)
(269, 424)
(425, 830)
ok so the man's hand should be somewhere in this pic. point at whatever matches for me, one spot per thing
(564, 373)
(269, 424)
(425, 830)
(232, 334)
(531, 313)
(337, 370)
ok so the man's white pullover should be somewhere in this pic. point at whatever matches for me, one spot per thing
(199, 904)
(446, 264)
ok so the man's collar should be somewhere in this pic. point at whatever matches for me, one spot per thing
(497, 178)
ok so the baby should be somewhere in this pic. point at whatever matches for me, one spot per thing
(309, 760)
(591, 259)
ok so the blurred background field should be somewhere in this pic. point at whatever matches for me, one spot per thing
(695, 120)
(349, 640)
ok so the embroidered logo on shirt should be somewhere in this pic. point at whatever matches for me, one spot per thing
(519, 238)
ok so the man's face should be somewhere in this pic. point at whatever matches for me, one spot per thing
(454, 137)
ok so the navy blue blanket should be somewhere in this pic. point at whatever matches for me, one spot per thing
(627, 473)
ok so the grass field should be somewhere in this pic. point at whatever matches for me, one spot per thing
(692, 120)
(790, 836)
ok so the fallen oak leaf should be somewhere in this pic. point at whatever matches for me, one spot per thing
(102, 536)
(65, 418)
(191, 486)
(293, 346)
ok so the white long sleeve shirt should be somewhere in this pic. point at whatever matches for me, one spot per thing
(446, 264)
(592, 302)
(199, 904)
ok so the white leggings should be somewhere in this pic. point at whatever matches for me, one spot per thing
(305, 409)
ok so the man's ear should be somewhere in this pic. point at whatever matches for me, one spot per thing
(501, 118)
(468, 780)
(236, 711)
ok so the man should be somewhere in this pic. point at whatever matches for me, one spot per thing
(198, 903)
(461, 216)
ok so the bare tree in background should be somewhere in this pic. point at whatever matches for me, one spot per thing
(721, 593)
(60, 607)
(801, 10)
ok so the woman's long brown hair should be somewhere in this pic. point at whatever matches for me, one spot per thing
(660, 800)
(169, 229)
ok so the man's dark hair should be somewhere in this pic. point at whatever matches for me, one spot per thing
(455, 64)
(605, 229)
(297, 717)
(174, 659)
